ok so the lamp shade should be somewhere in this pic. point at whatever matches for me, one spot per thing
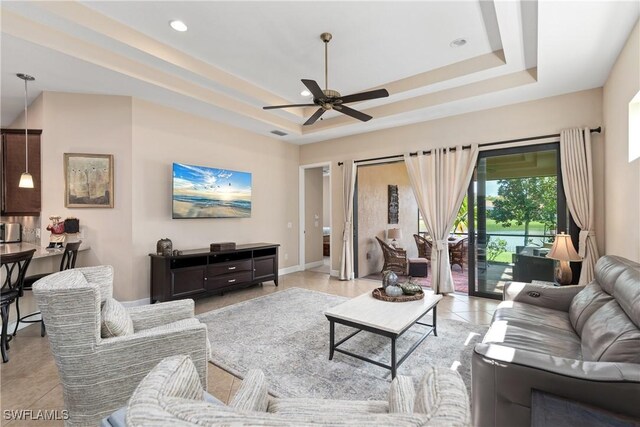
(26, 180)
(394, 233)
(563, 249)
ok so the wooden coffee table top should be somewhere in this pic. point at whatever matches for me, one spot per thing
(392, 317)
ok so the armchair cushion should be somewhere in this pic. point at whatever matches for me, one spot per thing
(114, 320)
(520, 313)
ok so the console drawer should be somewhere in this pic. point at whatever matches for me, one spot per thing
(230, 267)
(222, 281)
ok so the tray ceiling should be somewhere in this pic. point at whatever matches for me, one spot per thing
(239, 56)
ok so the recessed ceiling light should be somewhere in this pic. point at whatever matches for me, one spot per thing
(458, 43)
(178, 26)
(305, 93)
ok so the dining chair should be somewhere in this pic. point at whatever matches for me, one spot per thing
(14, 267)
(68, 261)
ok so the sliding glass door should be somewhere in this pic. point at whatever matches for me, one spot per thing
(516, 205)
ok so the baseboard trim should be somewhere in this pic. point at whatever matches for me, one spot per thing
(313, 264)
(335, 273)
(22, 325)
(287, 270)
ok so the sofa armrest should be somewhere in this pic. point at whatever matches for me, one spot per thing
(252, 394)
(402, 395)
(154, 315)
(553, 297)
(503, 379)
(443, 397)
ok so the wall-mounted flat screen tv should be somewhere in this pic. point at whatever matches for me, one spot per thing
(202, 192)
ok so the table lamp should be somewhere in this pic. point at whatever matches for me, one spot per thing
(563, 251)
(394, 233)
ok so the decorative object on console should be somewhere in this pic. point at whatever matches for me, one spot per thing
(394, 204)
(203, 192)
(563, 251)
(223, 246)
(164, 247)
(56, 228)
(394, 234)
(88, 180)
(26, 180)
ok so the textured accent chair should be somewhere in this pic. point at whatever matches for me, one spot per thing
(171, 395)
(424, 247)
(98, 375)
(394, 259)
(580, 343)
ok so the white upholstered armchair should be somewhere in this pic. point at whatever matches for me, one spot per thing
(98, 374)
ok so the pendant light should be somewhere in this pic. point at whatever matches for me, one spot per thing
(26, 180)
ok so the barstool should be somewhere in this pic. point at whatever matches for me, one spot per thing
(68, 261)
(14, 268)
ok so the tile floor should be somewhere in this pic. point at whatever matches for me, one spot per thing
(30, 379)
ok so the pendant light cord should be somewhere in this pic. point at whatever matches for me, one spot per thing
(26, 130)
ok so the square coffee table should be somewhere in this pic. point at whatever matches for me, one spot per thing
(389, 319)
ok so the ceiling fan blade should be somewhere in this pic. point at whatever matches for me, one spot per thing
(271, 107)
(313, 88)
(353, 113)
(315, 116)
(363, 96)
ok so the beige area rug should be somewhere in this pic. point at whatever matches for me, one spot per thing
(286, 335)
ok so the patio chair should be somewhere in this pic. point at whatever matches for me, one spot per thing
(394, 259)
(424, 247)
(456, 253)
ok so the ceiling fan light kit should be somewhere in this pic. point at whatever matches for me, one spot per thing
(328, 99)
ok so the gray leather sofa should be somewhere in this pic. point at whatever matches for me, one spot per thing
(578, 342)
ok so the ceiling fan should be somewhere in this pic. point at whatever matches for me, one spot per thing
(328, 99)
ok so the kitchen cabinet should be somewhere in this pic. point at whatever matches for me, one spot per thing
(16, 200)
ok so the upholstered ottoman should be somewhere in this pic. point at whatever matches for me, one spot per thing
(418, 267)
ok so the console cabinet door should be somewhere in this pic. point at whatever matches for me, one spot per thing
(264, 268)
(188, 281)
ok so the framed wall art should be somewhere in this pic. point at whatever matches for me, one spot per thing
(88, 180)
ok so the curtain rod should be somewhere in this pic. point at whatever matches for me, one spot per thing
(509, 141)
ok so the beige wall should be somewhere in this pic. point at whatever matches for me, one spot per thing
(373, 182)
(313, 215)
(622, 182)
(541, 117)
(162, 136)
(75, 123)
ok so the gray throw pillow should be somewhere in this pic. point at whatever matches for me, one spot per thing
(114, 320)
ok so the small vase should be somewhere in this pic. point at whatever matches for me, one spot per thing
(164, 247)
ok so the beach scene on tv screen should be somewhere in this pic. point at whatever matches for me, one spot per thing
(202, 192)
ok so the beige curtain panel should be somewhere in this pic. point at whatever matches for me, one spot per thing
(439, 181)
(348, 188)
(577, 179)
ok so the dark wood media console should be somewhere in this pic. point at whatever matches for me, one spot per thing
(200, 272)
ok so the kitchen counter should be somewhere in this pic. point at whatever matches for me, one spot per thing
(11, 248)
